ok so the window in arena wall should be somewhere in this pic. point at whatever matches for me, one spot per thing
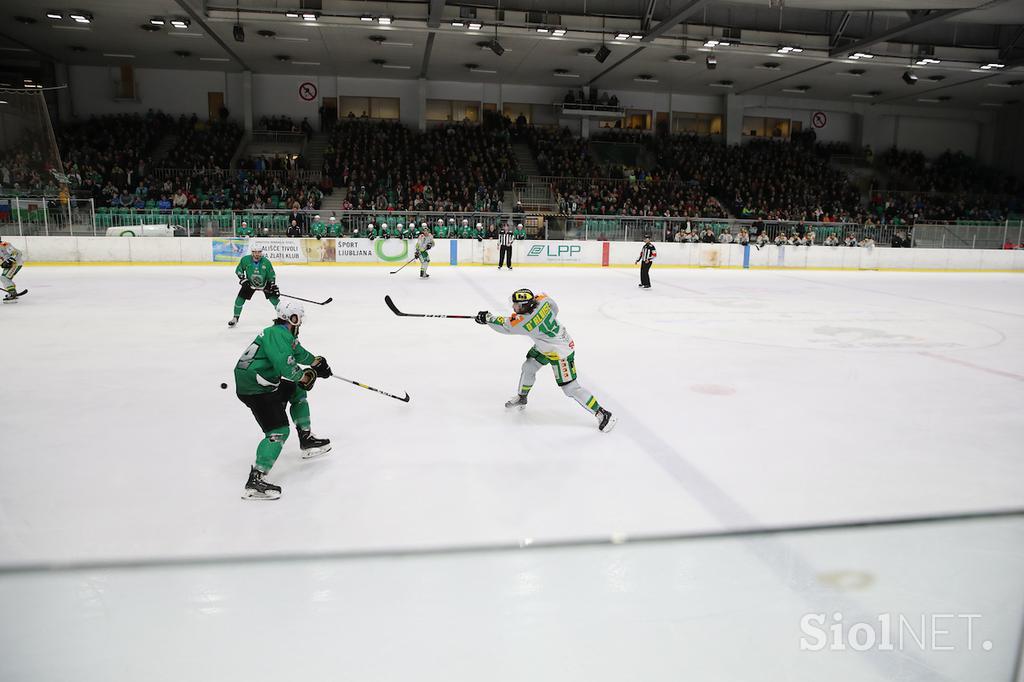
(446, 110)
(696, 124)
(388, 108)
(753, 126)
(637, 120)
(353, 107)
(513, 110)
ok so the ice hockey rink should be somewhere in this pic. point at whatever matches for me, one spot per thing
(449, 538)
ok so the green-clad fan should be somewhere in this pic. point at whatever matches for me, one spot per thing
(268, 376)
(410, 230)
(441, 230)
(255, 273)
(335, 228)
(478, 232)
(244, 230)
(319, 228)
(519, 232)
(370, 231)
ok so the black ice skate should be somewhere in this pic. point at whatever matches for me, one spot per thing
(233, 321)
(312, 446)
(519, 401)
(11, 298)
(258, 489)
(605, 421)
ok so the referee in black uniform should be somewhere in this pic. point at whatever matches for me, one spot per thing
(646, 259)
(505, 238)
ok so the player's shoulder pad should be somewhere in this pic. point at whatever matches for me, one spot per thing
(541, 297)
(515, 319)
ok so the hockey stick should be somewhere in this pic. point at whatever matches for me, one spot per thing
(400, 269)
(307, 300)
(371, 388)
(396, 311)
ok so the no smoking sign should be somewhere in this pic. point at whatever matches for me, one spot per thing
(819, 119)
(307, 91)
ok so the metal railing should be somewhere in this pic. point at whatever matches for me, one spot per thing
(45, 216)
(56, 216)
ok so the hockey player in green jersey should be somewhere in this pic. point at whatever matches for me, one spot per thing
(269, 375)
(335, 229)
(424, 244)
(318, 228)
(255, 273)
(536, 317)
(11, 260)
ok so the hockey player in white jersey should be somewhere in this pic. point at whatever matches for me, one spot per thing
(424, 244)
(11, 260)
(535, 317)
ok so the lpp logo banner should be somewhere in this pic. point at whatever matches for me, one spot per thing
(555, 252)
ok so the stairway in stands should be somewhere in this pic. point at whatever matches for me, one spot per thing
(162, 149)
(536, 196)
(314, 154)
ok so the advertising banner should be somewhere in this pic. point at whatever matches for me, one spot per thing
(318, 250)
(555, 252)
(229, 250)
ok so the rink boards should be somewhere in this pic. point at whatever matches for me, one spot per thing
(394, 252)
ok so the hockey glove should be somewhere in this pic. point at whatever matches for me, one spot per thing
(9, 263)
(481, 317)
(307, 379)
(320, 366)
(272, 289)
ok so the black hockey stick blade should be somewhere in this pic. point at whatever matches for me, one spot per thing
(306, 300)
(396, 311)
(19, 294)
(395, 272)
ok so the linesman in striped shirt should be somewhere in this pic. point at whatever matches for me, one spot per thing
(505, 238)
(646, 259)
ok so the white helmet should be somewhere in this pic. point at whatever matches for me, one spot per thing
(519, 225)
(424, 225)
(465, 221)
(399, 226)
(440, 221)
(479, 225)
(370, 225)
(256, 248)
(383, 223)
(291, 311)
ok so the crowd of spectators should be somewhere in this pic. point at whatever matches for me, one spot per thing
(386, 166)
(203, 144)
(559, 153)
(649, 196)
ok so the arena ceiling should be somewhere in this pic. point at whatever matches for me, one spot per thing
(666, 47)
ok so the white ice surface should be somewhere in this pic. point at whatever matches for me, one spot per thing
(745, 399)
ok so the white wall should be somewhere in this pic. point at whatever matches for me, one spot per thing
(931, 131)
(169, 90)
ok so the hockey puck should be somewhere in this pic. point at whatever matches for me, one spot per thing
(223, 385)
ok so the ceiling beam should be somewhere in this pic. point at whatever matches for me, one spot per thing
(436, 10)
(688, 10)
(426, 55)
(1006, 51)
(616, 64)
(899, 30)
(841, 28)
(197, 18)
(648, 14)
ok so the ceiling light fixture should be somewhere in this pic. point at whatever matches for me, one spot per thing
(180, 22)
(558, 32)
(264, 33)
(926, 61)
(475, 26)
(565, 73)
(861, 55)
(146, 27)
(80, 17)
(458, 23)
(787, 49)
(54, 15)
(909, 78)
(366, 17)
(622, 36)
(542, 29)
(310, 16)
(157, 21)
(118, 56)
(711, 62)
(993, 65)
(645, 78)
(385, 20)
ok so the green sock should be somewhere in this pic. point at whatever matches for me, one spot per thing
(239, 302)
(274, 300)
(299, 409)
(270, 447)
